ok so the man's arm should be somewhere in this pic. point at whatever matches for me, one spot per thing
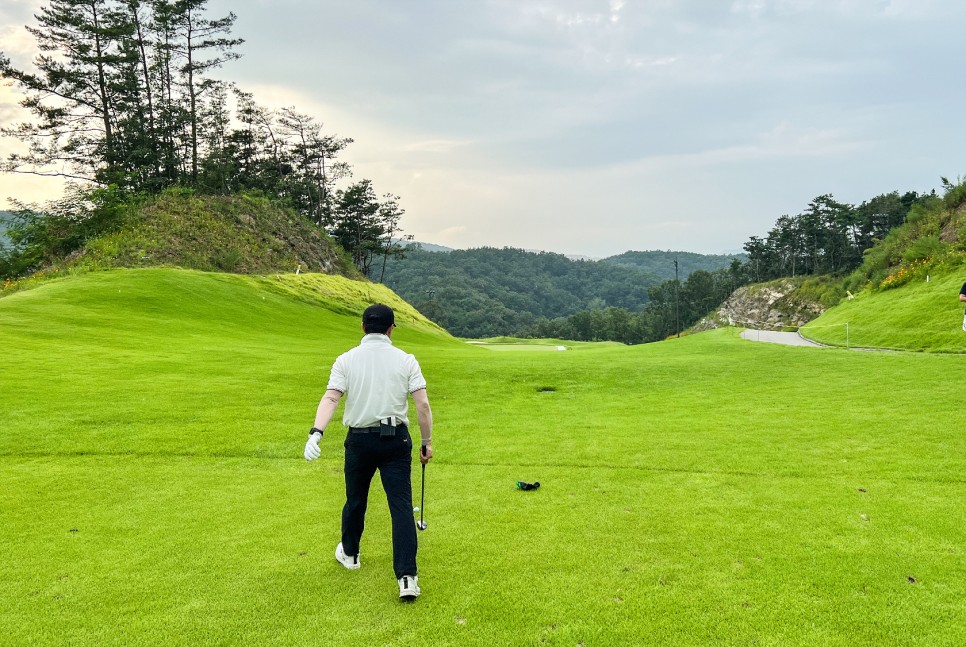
(424, 415)
(326, 409)
(323, 415)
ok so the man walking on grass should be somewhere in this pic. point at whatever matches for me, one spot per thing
(377, 379)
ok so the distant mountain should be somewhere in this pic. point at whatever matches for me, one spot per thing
(427, 247)
(487, 292)
(651, 261)
(661, 263)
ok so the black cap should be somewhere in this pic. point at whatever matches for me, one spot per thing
(378, 318)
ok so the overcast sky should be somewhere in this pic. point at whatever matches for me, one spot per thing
(598, 126)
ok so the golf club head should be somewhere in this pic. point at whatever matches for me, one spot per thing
(421, 525)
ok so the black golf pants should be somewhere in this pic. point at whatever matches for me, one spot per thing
(393, 457)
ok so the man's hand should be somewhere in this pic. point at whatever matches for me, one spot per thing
(425, 454)
(312, 450)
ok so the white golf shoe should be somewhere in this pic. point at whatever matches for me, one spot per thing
(349, 561)
(408, 588)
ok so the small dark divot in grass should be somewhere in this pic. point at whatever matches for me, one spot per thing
(74, 530)
(546, 389)
(912, 580)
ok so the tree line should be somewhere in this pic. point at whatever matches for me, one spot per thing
(123, 95)
(673, 306)
(828, 237)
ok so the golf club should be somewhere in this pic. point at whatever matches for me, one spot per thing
(422, 497)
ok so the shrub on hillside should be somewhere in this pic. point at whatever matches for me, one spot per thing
(923, 249)
(955, 194)
(825, 290)
(42, 236)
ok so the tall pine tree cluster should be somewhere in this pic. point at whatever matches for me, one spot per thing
(122, 94)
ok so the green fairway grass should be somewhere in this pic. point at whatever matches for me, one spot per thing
(703, 490)
(522, 347)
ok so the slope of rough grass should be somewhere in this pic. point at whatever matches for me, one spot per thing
(919, 316)
(698, 491)
(243, 234)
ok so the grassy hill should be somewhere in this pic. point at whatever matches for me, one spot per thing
(698, 491)
(242, 234)
(906, 293)
(919, 316)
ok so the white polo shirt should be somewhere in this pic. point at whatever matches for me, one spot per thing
(376, 378)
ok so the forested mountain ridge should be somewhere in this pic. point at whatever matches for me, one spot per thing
(661, 263)
(487, 292)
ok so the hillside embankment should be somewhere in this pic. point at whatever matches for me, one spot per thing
(242, 234)
(237, 234)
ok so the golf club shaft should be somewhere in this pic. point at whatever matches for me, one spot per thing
(422, 495)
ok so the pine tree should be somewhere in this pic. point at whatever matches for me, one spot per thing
(76, 96)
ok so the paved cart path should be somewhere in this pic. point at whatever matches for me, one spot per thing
(787, 338)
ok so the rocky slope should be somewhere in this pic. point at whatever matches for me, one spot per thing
(764, 306)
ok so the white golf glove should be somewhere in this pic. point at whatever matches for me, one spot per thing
(312, 450)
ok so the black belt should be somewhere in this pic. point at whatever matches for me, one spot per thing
(382, 430)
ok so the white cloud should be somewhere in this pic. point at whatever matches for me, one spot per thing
(434, 146)
(615, 10)
(18, 44)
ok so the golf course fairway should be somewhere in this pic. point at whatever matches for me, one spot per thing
(698, 491)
